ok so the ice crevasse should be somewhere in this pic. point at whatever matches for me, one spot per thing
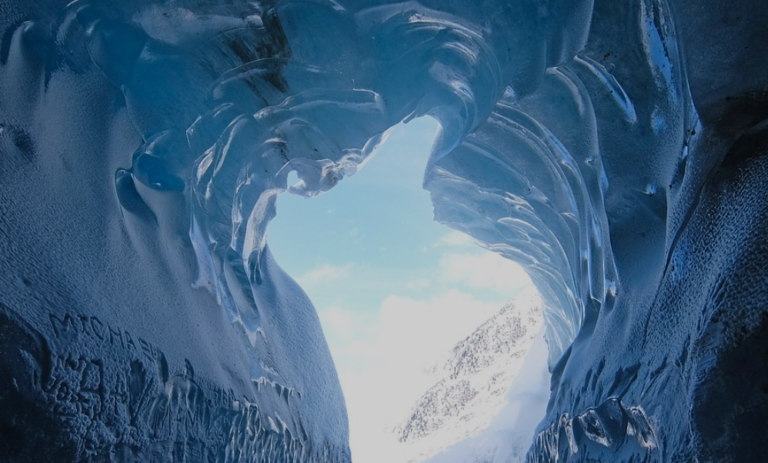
(615, 149)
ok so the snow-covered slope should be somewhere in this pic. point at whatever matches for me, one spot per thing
(472, 381)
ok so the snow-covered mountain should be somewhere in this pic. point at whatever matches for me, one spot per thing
(472, 380)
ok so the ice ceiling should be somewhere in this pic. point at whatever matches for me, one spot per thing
(615, 149)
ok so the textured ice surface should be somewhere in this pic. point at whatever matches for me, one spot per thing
(616, 149)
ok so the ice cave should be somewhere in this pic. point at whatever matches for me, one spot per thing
(617, 150)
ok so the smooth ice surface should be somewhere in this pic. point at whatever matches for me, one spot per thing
(615, 149)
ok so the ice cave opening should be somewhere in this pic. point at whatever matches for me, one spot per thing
(437, 342)
(617, 150)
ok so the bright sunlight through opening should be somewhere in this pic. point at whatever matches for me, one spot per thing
(395, 293)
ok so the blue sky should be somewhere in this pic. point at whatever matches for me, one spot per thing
(393, 289)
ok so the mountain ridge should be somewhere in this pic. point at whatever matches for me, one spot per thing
(472, 380)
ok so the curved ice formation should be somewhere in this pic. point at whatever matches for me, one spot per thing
(616, 149)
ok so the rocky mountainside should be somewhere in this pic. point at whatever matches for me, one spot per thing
(472, 380)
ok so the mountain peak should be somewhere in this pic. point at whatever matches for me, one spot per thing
(472, 379)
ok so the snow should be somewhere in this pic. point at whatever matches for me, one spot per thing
(479, 388)
(508, 436)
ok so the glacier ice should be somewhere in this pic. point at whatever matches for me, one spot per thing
(616, 149)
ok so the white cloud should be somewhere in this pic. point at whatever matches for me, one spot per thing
(486, 270)
(342, 327)
(417, 331)
(456, 239)
(324, 274)
(338, 323)
(418, 284)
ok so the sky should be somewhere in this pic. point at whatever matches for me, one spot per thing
(393, 289)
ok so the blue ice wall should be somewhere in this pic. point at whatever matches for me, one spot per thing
(615, 149)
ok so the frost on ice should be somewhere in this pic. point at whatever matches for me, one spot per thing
(615, 149)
